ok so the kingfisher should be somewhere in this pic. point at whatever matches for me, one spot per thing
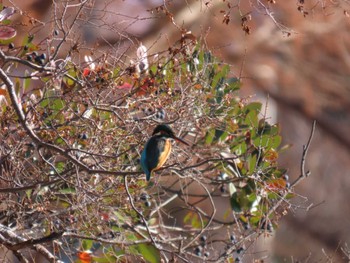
(157, 149)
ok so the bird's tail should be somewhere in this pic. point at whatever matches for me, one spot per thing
(148, 175)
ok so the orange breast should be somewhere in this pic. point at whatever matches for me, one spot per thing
(164, 155)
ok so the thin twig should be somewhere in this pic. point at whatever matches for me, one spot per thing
(137, 211)
(303, 174)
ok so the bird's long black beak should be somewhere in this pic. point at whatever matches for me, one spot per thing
(180, 140)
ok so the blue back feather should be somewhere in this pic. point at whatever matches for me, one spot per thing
(144, 165)
(151, 153)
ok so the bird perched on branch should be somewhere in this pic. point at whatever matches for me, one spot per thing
(157, 149)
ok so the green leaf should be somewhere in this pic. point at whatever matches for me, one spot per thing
(121, 218)
(57, 104)
(252, 119)
(105, 115)
(63, 203)
(169, 74)
(252, 161)
(153, 69)
(267, 141)
(116, 72)
(44, 103)
(220, 135)
(219, 76)
(211, 74)
(131, 237)
(5, 42)
(28, 45)
(187, 217)
(60, 166)
(215, 135)
(240, 149)
(26, 81)
(28, 193)
(69, 81)
(265, 128)
(195, 222)
(273, 196)
(254, 220)
(262, 141)
(148, 252)
(209, 137)
(235, 203)
(254, 106)
(6, 22)
(18, 87)
(290, 195)
(279, 172)
(193, 219)
(87, 244)
(276, 141)
(27, 39)
(110, 254)
(67, 191)
(60, 141)
(232, 84)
